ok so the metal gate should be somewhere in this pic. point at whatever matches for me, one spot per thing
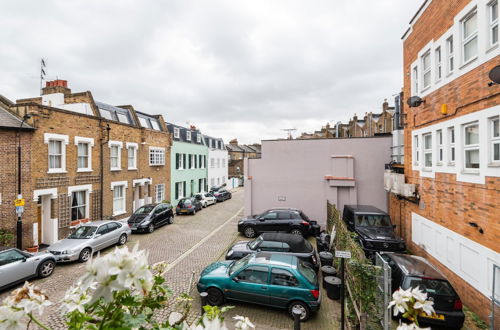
(383, 292)
(495, 299)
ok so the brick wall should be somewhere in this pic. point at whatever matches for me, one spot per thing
(445, 200)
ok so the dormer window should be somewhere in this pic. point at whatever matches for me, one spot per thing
(176, 133)
(198, 138)
(188, 135)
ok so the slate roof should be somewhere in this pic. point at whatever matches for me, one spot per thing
(232, 147)
(246, 148)
(182, 134)
(219, 143)
(9, 120)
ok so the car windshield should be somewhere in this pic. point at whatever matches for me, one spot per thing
(372, 220)
(83, 232)
(305, 217)
(146, 209)
(308, 273)
(238, 264)
(185, 203)
(255, 243)
(429, 285)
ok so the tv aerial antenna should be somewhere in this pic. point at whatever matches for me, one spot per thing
(289, 131)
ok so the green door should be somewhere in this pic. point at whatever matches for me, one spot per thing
(283, 286)
(250, 285)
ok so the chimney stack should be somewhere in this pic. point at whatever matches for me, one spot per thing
(56, 86)
(385, 105)
(234, 142)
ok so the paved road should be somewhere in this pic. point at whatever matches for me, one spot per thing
(189, 245)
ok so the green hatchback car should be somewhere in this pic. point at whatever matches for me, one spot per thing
(263, 278)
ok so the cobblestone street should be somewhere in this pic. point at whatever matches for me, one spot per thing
(189, 245)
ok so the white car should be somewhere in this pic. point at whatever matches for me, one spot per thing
(205, 198)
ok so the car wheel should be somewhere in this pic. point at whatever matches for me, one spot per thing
(194, 211)
(170, 220)
(46, 268)
(249, 232)
(85, 255)
(215, 297)
(151, 228)
(296, 232)
(302, 307)
(123, 239)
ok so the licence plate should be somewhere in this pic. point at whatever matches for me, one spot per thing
(433, 316)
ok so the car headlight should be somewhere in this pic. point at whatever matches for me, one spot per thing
(70, 251)
(240, 222)
(230, 253)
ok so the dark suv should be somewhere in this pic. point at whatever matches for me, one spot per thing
(374, 228)
(412, 271)
(277, 220)
(151, 216)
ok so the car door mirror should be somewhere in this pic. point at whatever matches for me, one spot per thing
(24, 259)
(97, 235)
(236, 279)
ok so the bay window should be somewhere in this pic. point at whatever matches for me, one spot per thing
(427, 151)
(471, 146)
(438, 63)
(440, 146)
(450, 62)
(416, 160)
(469, 37)
(426, 70)
(493, 22)
(451, 142)
(495, 139)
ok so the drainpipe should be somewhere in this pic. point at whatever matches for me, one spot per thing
(102, 166)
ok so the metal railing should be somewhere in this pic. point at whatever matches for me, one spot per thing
(384, 292)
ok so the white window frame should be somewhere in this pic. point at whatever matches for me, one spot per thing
(188, 135)
(84, 187)
(471, 37)
(198, 138)
(132, 161)
(426, 70)
(114, 185)
(64, 139)
(119, 145)
(494, 140)
(438, 55)
(218, 162)
(180, 190)
(176, 132)
(440, 151)
(415, 79)
(160, 193)
(156, 156)
(427, 150)
(212, 162)
(452, 151)
(90, 144)
(416, 150)
(450, 61)
(193, 161)
(181, 161)
(470, 147)
(493, 23)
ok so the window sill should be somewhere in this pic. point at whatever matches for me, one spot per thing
(115, 169)
(427, 169)
(468, 62)
(470, 172)
(425, 89)
(132, 168)
(494, 164)
(451, 164)
(493, 47)
(156, 164)
(449, 74)
(83, 170)
(53, 171)
(119, 213)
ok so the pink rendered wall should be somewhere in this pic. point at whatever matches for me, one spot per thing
(296, 170)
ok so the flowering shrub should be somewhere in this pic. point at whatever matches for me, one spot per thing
(117, 291)
(410, 303)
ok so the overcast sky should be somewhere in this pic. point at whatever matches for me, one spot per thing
(244, 69)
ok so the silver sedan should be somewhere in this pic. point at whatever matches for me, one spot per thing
(17, 266)
(89, 238)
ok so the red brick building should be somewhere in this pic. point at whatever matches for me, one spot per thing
(89, 160)
(452, 145)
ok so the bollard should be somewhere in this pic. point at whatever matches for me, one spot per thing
(296, 318)
(203, 296)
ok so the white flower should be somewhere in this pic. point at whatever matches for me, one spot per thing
(426, 306)
(215, 324)
(28, 298)
(243, 323)
(75, 299)
(412, 326)
(418, 294)
(174, 317)
(10, 318)
(400, 298)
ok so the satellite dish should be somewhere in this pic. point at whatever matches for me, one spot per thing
(495, 74)
(414, 101)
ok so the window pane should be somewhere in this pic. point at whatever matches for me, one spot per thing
(428, 141)
(494, 12)
(472, 158)
(155, 125)
(470, 25)
(123, 118)
(494, 35)
(106, 114)
(472, 134)
(495, 124)
(144, 122)
(452, 154)
(496, 151)
(470, 49)
(428, 159)
(427, 79)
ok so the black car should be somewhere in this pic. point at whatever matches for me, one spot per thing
(221, 195)
(374, 228)
(188, 205)
(412, 271)
(284, 220)
(282, 243)
(151, 216)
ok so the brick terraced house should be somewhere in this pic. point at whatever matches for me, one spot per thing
(452, 145)
(89, 161)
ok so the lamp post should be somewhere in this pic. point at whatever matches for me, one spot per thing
(19, 230)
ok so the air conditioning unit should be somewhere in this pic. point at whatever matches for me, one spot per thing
(398, 181)
(387, 180)
(408, 190)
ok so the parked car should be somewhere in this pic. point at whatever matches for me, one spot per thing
(17, 266)
(215, 188)
(374, 228)
(222, 195)
(188, 205)
(263, 278)
(409, 271)
(281, 243)
(285, 220)
(89, 238)
(151, 216)
(205, 199)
